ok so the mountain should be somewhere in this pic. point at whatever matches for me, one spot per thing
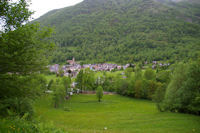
(125, 31)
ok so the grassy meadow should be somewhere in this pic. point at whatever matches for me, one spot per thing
(117, 113)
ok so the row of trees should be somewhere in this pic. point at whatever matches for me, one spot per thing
(134, 82)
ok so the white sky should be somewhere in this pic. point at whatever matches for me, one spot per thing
(43, 6)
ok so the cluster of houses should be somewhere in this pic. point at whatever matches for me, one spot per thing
(73, 68)
(155, 64)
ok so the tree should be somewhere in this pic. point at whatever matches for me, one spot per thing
(128, 71)
(174, 90)
(66, 81)
(49, 84)
(13, 14)
(24, 50)
(182, 93)
(163, 76)
(86, 80)
(99, 93)
(79, 80)
(138, 73)
(60, 72)
(58, 93)
(89, 80)
(149, 74)
(138, 88)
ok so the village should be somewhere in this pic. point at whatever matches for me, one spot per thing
(73, 68)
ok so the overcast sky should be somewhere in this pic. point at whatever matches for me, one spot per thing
(43, 6)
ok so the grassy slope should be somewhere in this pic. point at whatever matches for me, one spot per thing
(119, 114)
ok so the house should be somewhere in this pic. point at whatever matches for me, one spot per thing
(54, 68)
(72, 62)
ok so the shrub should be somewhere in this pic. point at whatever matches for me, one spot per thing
(18, 93)
(17, 107)
(20, 125)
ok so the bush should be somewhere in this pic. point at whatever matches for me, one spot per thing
(20, 125)
(17, 107)
(18, 93)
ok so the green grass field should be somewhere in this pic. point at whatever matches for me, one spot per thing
(119, 114)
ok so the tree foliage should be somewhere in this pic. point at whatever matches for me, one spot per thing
(13, 14)
(99, 93)
(24, 50)
(182, 94)
(85, 80)
(126, 31)
(59, 93)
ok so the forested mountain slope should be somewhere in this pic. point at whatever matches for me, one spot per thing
(125, 31)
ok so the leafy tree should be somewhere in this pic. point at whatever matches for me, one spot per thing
(60, 72)
(89, 80)
(66, 81)
(138, 73)
(128, 71)
(163, 76)
(24, 49)
(99, 93)
(13, 14)
(58, 93)
(159, 97)
(79, 80)
(182, 93)
(86, 80)
(49, 84)
(137, 88)
(174, 89)
(149, 74)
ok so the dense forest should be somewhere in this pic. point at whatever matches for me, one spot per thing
(125, 31)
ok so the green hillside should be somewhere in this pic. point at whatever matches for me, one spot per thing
(125, 31)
